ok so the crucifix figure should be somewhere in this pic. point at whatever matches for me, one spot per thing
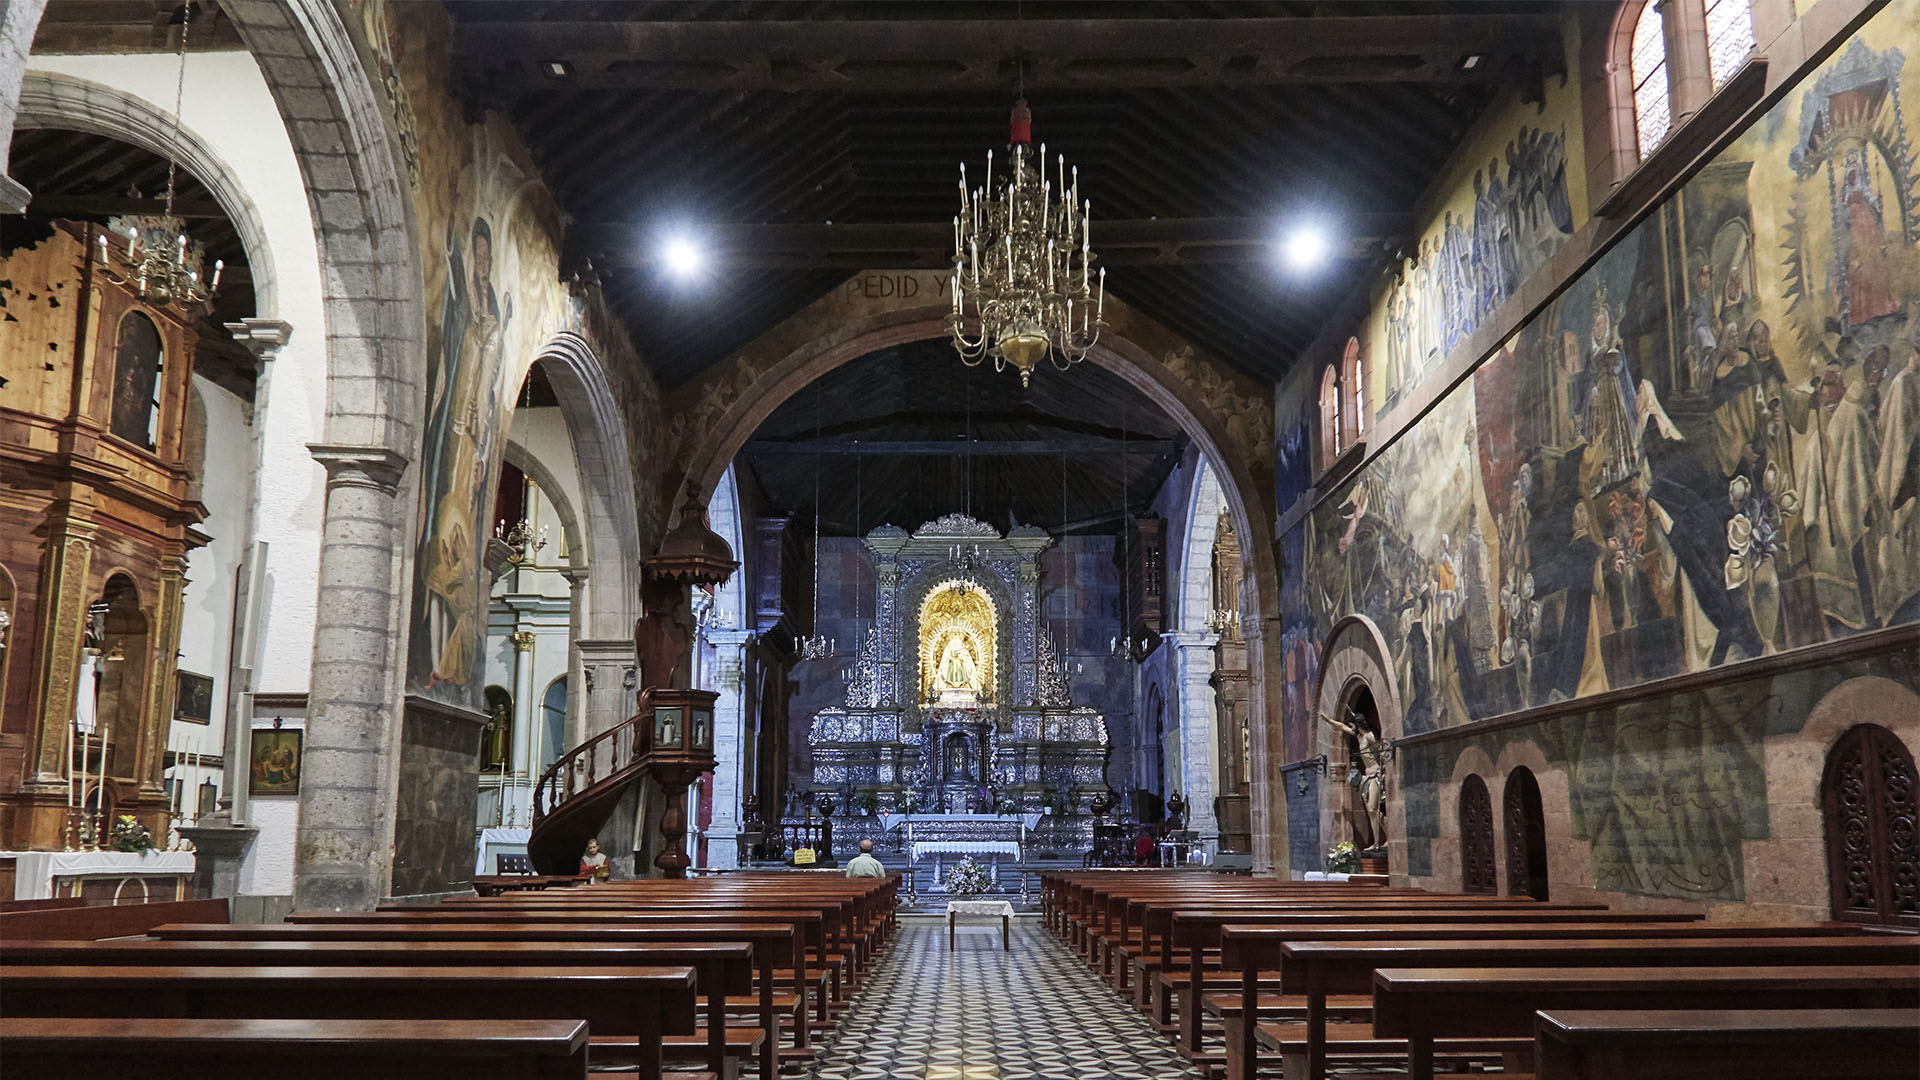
(1368, 774)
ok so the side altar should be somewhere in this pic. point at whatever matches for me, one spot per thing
(958, 721)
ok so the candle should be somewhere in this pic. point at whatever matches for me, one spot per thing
(218, 265)
(100, 789)
(1049, 264)
(1101, 307)
(103, 247)
(83, 764)
(956, 234)
(974, 244)
(1009, 258)
(173, 791)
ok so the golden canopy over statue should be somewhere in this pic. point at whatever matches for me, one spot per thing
(957, 645)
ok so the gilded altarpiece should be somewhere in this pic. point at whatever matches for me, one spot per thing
(94, 485)
(958, 702)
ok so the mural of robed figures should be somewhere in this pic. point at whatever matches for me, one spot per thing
(1702, 451)
(463, 422)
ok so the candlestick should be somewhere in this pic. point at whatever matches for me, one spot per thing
(218, 265)
(1101, 309)
(100, 788)
(66, 767)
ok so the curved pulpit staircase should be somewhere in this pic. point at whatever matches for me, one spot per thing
(577, 794)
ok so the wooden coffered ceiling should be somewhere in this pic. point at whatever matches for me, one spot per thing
(809, 139)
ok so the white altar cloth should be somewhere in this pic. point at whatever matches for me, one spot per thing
(980, 907)
(922, 848)
(35, 871)
(498, 842)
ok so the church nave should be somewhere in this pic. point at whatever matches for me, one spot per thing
(980, 1013)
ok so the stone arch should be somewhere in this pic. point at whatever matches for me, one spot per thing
(1204, 504)
(855, 337)
(368, 241)
(54, 100)
(608, 519)
(1356, 658)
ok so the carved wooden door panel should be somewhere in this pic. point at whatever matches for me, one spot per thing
(1477, 873)
(1873, 865)
(1526, 836)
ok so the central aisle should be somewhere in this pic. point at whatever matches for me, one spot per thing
(977, 1013)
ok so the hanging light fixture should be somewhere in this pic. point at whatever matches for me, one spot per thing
(162, 263)
(816, 646)
(1022, 263)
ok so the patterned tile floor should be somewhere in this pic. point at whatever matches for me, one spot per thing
(977, 1013)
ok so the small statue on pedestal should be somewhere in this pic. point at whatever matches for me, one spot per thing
(593, 863)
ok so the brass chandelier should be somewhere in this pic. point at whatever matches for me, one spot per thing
(163, 263)
(1022, 271)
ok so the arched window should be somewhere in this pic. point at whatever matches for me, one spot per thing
(1729, 37)
(1353, 380)
(1652, 110)
(1667, 58)
(553, 708)
(1330, 441)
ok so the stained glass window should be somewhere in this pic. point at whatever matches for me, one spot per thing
(1329, 416)
(1652, 114)
(1729, 36)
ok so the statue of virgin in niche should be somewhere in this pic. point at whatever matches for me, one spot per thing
(956, 668)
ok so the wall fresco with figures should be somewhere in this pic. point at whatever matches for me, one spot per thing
(1703, 451)
(490, 235)
(1499, 211)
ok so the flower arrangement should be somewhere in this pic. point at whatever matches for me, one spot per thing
(129, 835)
(1006, 806)
(865, 801)
(968, 878)
(1342, 858)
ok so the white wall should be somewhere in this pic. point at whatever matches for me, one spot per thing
(229, 109)
(206, 618)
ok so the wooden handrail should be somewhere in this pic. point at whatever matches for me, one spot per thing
(607, 756)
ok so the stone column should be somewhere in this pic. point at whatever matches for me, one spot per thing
(730, 745)
(1199, 735)
(524, 769)
(18, 20)
(343, 849)
(263, 338)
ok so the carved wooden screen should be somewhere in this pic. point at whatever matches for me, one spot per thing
(1526, 836)
(1868, 793)
(1477, 874)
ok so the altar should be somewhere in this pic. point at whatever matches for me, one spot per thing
(113, 876)
(958, 727)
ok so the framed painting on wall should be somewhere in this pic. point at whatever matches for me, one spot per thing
(193, 701)
(273, 762)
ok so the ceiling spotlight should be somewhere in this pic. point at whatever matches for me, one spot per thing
(1472, 60)
(556, 69)
(1304, 248)
(683, 259)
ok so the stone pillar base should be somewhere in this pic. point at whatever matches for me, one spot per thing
(219, 851)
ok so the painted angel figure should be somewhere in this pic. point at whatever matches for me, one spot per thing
(1368, 773)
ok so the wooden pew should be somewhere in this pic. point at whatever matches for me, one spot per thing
(642, 1003)
(1752, 1044)
(1422, 1004)
(721, 968)
(106, 920)
(1320, 968)
(773, 944)
(192, 1049)
(495, 884)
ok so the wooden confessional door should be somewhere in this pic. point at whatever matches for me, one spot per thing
(1477, 873)
(1526, 836)
(1868, 793)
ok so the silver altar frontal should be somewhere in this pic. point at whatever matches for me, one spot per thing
(959, 715)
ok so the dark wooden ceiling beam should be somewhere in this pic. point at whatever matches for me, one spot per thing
(959, 447)
(928, 245)
(936, 54)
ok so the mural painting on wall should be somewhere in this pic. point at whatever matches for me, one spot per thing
(1703, 451)
(1474, 259)
(494, 299)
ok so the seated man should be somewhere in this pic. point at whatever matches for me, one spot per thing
(864, 864)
